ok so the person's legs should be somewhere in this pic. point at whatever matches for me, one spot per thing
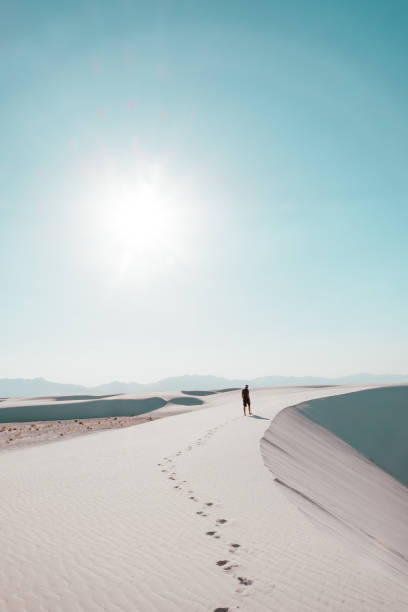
(244, 408)
(249, 408)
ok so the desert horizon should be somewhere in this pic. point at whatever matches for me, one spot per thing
(14, 387)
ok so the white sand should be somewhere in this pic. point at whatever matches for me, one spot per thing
(93, 523)
(15, 434)
(338, 487)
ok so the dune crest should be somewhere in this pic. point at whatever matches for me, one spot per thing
(336, 485)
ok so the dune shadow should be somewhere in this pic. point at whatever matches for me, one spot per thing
(343, 461)
(199, 392)
(82, 410)
(317, 386)
(67, 398)
(211, 392)
(372, 421)
(42, 397)
(186, 401)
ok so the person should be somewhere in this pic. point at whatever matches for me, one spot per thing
(246, 400)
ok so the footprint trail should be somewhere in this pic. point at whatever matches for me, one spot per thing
(229, 568)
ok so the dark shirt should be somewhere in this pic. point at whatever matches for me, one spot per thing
(245, 394)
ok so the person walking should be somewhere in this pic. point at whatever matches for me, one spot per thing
(246, 400)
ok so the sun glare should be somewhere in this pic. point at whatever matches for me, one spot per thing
(138, 218)
(137, 211)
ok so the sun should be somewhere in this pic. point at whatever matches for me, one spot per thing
(139, 217)
(137, 210)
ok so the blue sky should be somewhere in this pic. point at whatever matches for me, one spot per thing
(213, 187)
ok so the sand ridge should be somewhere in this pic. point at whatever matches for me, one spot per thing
(337, 485)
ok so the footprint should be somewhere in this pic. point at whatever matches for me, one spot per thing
(210, 533)
(221, 521)
(221, 610)
(235, 545)
(209, 504)
(244, 581)
(223, 562)
(193, 498)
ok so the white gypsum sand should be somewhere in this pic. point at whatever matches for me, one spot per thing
(142, 519)
(26, 421)
(330, 479)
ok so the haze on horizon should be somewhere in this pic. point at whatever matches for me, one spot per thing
(208, 187)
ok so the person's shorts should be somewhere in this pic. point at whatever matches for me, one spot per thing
(247, 402)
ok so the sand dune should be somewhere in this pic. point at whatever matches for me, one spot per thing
(87, 407)
(178, 514)
(337, 485)
(373, 421)
(26, 421)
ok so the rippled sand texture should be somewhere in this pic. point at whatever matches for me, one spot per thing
(178, 514)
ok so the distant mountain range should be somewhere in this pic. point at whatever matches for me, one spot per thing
(22, 387)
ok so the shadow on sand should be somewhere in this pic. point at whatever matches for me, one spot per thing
(210, 392)
(81, 410)
(99, 408)
(186, 401)
(68, 398)
(199, 392)
(256, 416)
(373, 421)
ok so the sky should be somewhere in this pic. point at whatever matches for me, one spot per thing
(203, 187)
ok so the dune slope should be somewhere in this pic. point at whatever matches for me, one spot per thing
(373, 421)
(337, 485)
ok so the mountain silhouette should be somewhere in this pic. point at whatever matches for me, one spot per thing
(22, 387)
